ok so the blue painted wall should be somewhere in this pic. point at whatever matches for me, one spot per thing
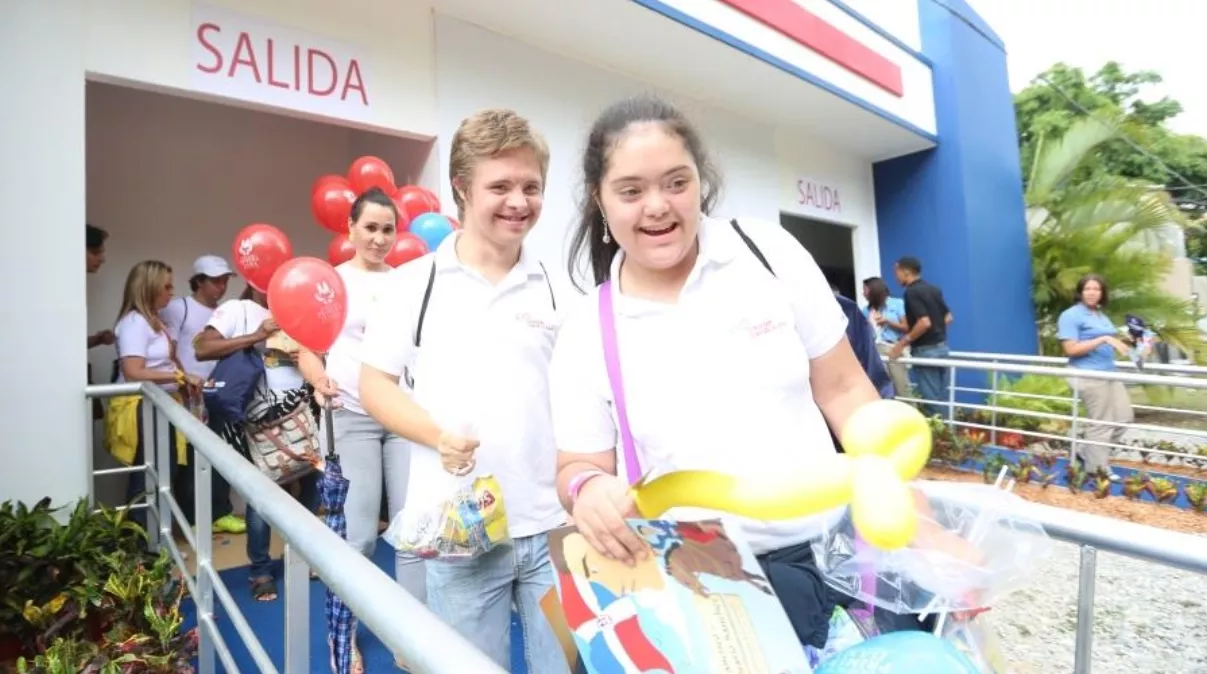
(959, 207)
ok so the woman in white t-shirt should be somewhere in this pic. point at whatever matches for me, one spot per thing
(370, 455)
(731, 346)
(145, 352)
(234, 326)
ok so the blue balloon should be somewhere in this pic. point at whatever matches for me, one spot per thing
(432, 228)
(900, 653)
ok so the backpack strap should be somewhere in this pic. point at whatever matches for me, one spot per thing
(607, 328)
(427, 296)
(552, 299)
(752, 246)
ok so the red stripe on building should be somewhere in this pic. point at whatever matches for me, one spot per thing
(808, 29)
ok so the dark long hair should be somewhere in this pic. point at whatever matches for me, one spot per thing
(877, 292)
(605, 133)
(373, 195)
(1095, 278)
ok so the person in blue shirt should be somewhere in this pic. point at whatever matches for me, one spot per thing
(1090, 340)
(888, 315)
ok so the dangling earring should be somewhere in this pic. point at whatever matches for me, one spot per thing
(606, 237)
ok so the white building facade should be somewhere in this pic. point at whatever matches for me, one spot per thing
(172, 124)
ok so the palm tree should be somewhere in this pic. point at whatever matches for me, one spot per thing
(1081, 223)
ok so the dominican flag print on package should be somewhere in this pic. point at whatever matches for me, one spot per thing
(698, 605)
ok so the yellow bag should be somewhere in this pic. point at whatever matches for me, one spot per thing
(122, 430)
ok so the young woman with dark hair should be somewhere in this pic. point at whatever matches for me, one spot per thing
(1091, 340)
(887, 313)
(728, 322)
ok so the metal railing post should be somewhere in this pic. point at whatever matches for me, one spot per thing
(1082, 656)
(204, 517)
(1074, 427)
(951, 396)
(297, 612)
(150, 481)
(165, 459)
(89, 458)
(993, 404)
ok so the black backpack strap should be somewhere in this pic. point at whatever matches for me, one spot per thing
(552, 299)
(751, 245)
(427, 296)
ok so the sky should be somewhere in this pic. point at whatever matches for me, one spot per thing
(1160, 35)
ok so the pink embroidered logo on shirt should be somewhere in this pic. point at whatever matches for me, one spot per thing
(756, 330)
(534, 321)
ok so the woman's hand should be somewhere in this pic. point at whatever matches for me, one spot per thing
(326, 393)
(599, 513)
(1118, 345)
(456, 452)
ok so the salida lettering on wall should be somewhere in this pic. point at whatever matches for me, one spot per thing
(239, 57)
(278, 65)
(818, 196)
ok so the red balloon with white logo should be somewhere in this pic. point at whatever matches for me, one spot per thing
(406, 247)
(340, 250)
(369, 172)
(331, 203)
(309, 302)
(258, 251)
(413, 201)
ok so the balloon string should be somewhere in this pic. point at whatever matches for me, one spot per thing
(328, 423)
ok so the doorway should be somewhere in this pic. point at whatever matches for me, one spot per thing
(832, 246)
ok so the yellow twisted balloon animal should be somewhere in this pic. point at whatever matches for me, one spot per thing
(887, 443)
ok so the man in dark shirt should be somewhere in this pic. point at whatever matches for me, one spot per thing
(928, 317)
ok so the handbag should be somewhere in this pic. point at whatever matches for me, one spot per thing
(284, 447)
(233, 383)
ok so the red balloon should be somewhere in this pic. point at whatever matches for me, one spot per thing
(331, 203)
(407, 247)
(413, 201)
(321, 180)
(368, 172)
(258, 251)
(308, 300)
(340, 250)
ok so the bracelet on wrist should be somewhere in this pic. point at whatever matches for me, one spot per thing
(579, 481)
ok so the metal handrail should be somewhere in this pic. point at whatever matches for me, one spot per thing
(400, 621)
(1170, 368)
(1090, 532)
(1066, 372)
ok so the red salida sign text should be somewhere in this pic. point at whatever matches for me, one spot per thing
(270, 63)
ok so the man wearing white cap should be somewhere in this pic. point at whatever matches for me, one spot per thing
(184, 318)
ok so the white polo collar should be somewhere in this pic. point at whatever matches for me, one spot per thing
(446, 260)
(719, 244)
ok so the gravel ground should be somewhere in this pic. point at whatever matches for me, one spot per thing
(1147, 618)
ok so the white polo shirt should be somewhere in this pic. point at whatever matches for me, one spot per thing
(483, 364)
(718, 381)
(184, 318)
(343, 360)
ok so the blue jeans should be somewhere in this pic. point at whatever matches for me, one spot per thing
(931, 383)
(259, 534)
(475, 597)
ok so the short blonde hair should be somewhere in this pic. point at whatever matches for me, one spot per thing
(486, 134)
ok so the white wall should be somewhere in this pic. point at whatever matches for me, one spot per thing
(898, 17)
(561, 97)
(799, 158)
(150, 42)
(42, 359)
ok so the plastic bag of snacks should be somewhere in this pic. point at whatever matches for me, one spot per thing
(467, 522)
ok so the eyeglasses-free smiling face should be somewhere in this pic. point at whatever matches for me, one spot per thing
(650, 194)
(504, 198)
(373, 233)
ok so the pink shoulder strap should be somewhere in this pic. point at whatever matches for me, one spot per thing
(607, 332)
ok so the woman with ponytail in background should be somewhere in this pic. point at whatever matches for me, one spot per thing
(370, 455)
